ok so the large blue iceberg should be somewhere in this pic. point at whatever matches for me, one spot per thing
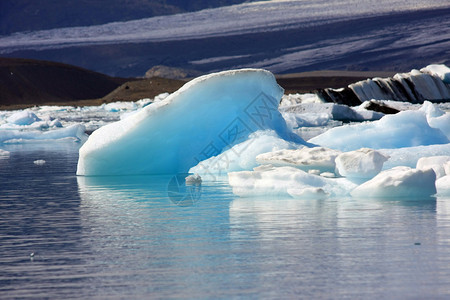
(206, 116)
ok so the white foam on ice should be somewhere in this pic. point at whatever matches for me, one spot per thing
(398, 182)
(216, 111)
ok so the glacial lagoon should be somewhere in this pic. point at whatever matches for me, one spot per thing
(63, 236)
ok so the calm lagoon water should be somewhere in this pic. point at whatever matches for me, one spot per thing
(152, 237)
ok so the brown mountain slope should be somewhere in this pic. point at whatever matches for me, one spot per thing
(24, 81)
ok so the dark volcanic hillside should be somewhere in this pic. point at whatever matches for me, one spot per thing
(23, 15)
(24, 81)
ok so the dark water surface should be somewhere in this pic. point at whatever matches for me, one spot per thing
(146, 237)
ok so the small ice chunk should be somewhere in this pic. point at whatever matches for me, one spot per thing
(271, 181)
(193, 179)
(362, 163)
(4, 154)
(39, 162)
(437, 118)
(319, 158)
(328, 175)
(314, 172)
(75, 132)
(398, 182)
(24, 117)
(443, 185)
(434, 162)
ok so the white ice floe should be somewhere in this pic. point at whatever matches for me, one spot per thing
(437, 163)
(4, 154)
(404, 129)
(241, 156)
(398, 182)
(316, 158)
(73, 132)
(200, 120)
(193, 179)
(437, 118)
(443, 186)
(361, 163)
(270, 181)
(24, 117)
(39, 162)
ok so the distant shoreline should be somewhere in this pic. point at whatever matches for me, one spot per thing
(29, 83)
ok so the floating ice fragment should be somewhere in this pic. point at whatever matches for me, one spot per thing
(4, 154)
(443, 185)
(437, 118)
(120, 106)
(362, 163)
(398, 182)
(75, 132)
(437, 163)
(39, 162)
(193, 179)
(24, 117)
(200, 120)
(404, 129)
(270, 181)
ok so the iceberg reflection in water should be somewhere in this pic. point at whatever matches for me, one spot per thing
(225, 245)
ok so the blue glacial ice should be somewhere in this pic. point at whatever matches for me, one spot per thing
(405, 129)
(206, 116)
